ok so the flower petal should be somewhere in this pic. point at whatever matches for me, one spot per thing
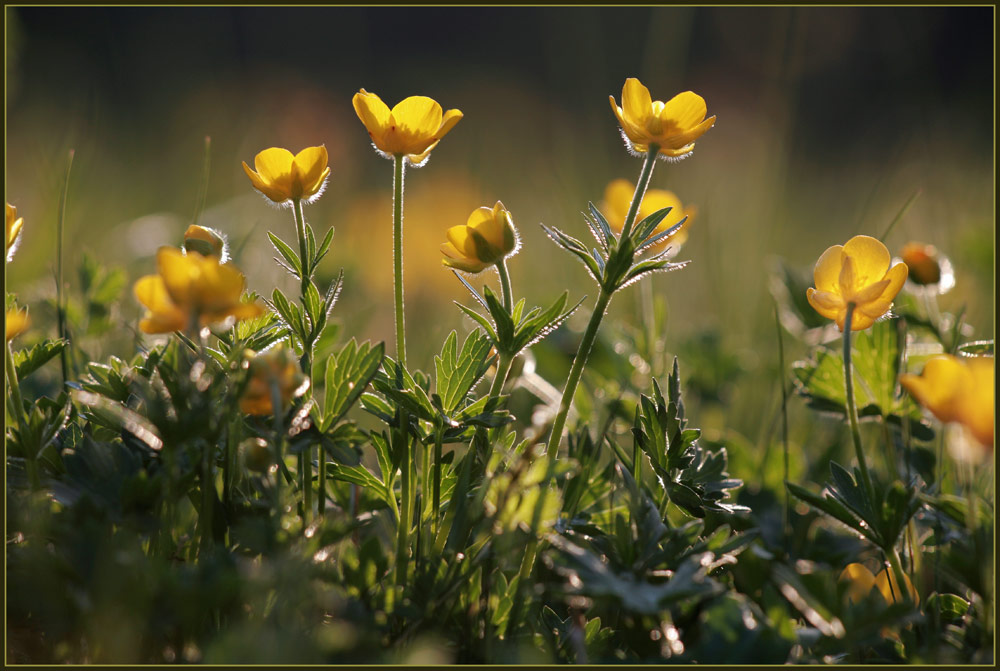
(870, 259)
(310, 166)
(939, 387)
(684, 111)
(860, 581)
(179, 274)
(374, 114)
(274, 165)
(827, 271)
(416, 120)
(878, 306)
(827, 303)
(637, 105)
(451, 117)
(275, 194)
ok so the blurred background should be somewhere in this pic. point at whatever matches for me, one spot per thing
(829, 120)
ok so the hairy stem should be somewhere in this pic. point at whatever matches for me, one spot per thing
(852, 409)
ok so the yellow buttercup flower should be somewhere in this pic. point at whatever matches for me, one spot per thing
(278, 366)
(857, 272)
(14, 224)
(673, 126)
(284, 177)
(618, 198)
(957, 390)
(16, 323)
(205, 241)
(412, 128)
(861, 582)
(484, 240)
(189, 290)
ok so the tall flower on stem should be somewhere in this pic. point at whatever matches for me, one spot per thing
(651, 130)
(406, 134)
(291, 180)
(855, 286)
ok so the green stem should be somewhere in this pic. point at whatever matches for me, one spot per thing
(438, 440)
(17, 404)
(207, 496)
(300, 232)
(402, 536)
(504, 362)
(897, 571)
(60, 307)
(784, 425)
(397, 256)
(640, 190)
(852, 409)
(582, 354)
(508, 302)
(307, 485)
(321, 493)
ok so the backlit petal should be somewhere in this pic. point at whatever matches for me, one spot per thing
(886, 583)
(870, 259)
(684, 111)
(179, 274)
(374, 114)
(827, 271)
(451, 117)
(860, 581)
(826, 303)
(311, 167)
(273, 193)
(637, 105)
(274, 165)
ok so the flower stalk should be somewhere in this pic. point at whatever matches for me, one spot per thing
(852, 410)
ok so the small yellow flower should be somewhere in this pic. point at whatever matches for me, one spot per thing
(283, 177)
(857, 272)
(618, 198)
(484, 240)
(14, 224)
(861, 582)
(412, 128)
(673, 126)
(957, 390)
(16, 323)
(277, 366)
(205, 241)
(191, 289)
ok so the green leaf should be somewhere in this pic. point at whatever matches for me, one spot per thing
(27, 361)
(830, 506)
(292, 264)
(457, 373)
(348, 374)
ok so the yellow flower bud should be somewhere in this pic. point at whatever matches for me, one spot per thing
(276, 366)
(283, 177)
(857, 272)
(412, 128)
(191, 290)
(484, 240)
(673, 126)
(205, 241)
(256, 454)
(16, 323)
(14, 224)
(922, 260)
